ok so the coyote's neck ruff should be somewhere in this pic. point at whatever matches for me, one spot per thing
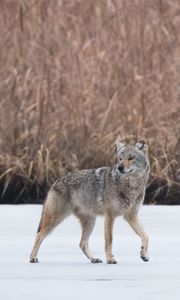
(109, 191)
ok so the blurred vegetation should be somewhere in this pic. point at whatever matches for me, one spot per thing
(74, 75)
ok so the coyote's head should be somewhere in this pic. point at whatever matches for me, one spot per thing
(132, 158)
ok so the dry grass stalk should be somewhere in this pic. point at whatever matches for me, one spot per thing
(75, 75)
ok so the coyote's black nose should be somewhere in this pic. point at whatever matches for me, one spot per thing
(121, 168)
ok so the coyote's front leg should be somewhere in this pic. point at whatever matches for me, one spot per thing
(134, 222)
(108, 227)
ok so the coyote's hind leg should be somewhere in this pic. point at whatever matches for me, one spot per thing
(39, 238)
(53, 214)
(87, 224)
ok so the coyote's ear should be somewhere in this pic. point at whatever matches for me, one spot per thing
(141, 145)
(120, 144)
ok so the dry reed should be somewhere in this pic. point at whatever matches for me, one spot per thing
(76, 74)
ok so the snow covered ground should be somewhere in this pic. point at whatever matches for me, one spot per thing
(65, 273)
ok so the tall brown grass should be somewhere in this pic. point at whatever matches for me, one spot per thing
(76, 74)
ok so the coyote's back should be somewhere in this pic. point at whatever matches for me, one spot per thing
(110, 191)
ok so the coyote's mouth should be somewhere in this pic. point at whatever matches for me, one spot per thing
(124, 172)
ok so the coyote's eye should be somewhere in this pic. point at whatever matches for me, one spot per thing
(120, 159)
(131, 157)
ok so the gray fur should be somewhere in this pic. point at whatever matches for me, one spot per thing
(111, 191)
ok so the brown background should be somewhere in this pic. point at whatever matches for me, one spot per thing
(74, 75)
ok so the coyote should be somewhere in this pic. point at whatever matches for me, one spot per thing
(111, 191)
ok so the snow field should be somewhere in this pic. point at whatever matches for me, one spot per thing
(65, 273)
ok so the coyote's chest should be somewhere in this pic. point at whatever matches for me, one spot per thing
(125, 194)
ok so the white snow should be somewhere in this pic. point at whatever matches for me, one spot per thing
(65, 273)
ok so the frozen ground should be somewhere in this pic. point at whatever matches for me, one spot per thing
(65, 273)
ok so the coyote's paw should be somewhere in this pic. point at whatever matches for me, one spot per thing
(111, 261)
(96, 260)
(145, 258)
(144, 255)
(33, 260)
